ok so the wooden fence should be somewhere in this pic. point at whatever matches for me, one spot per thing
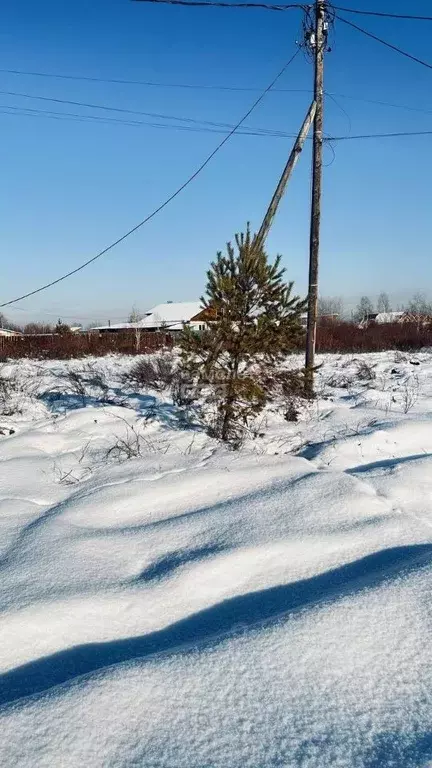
(331, 337)
(349, 338)
(67, 346)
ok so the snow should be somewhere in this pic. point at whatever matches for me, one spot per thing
(389, 317)
(194, 607)
(172, 315)
(171, 312)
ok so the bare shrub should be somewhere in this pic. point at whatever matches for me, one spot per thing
(87, 384)
(410, 393)
(183, 391)
(365, 371)
(292, 387)
(13, 390)
(77, 473)
(67, 346)
(155, 372)
(132, 445)
(339, 381)
(348, 337)
(8, 391)
(399, 357)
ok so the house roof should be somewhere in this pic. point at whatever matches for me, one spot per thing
(115, 327)
(171, 314)
(8, 332)
(388, 317)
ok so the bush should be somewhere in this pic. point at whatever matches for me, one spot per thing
(348, 337)
(87, 385)
(155, 372)
(13, 391)
(57, 346)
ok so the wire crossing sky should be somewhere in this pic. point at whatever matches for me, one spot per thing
(74, 178)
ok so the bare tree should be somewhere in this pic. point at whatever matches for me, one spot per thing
(135, 315)
(32, 329)
(419, 305)
(5, 323)
(330, 306)
(383, 303)
(364, 309)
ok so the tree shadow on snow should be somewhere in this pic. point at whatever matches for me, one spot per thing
(232, 615)
(312, 451)
(165, 565)
(396, 750)
(388, 463)
(147, 406)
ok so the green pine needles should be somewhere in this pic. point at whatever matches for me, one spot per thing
(253, 322)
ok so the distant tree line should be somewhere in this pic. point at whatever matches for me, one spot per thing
(333, 307)
(34, 329)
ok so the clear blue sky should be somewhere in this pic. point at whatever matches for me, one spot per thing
(68, 188)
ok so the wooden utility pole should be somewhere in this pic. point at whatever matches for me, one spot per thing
(317, 43)
(280, 189)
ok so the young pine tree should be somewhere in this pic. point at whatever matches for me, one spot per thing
(254, 323)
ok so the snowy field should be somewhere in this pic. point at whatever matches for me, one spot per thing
(167, 603)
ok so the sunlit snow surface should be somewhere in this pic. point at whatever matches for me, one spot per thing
(199, 608)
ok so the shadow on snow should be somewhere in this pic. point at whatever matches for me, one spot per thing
(232, 615)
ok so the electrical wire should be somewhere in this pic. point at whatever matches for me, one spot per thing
(284, 7)
(195, 86)
(384, 42)
(378, 136)
(341, 108)
(108, 108)
(212, 3)
(73, 117)
(383, 14)
(167, 201)
(147, 83)
(28, 112)
(76, 117)
(382, 103)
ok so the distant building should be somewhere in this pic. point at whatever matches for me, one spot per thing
(385, 318)
(171, 317)
(389, 317)
(8, 333)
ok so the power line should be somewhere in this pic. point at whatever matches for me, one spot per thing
(196, 86)
(108, 108)
(283, 7)
(120, 81)
(382, 103)
(378, 135)
(219, 127)
(167, 201)
(384, 42)
(382, 14)
(28, 112)
(212, 3)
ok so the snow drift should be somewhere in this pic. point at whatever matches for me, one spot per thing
(199, 608)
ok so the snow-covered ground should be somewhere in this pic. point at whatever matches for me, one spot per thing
(197, 608)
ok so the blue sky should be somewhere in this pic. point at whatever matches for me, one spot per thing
(68, 188)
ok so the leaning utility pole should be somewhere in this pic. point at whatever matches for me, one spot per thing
(283, 181)
(317, 43)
